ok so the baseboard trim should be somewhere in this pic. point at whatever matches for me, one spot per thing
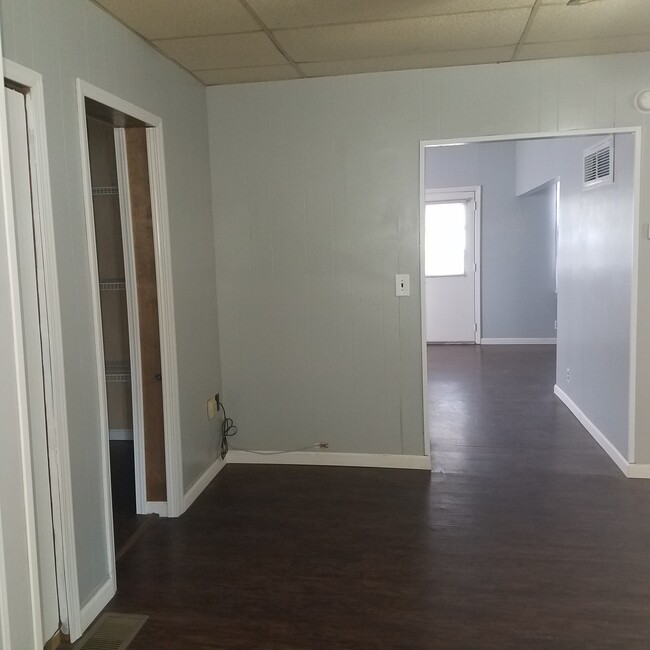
(518, 341)
(159, 508)
(638, 470)
(331, 459)
(595, 432)
(202, 482)
(92, 609)
(120, 434)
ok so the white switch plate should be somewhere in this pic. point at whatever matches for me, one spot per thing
(402, 285)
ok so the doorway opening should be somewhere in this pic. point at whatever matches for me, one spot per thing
(452, 236)
(126, 276)
(554, 273)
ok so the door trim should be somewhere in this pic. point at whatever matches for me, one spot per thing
(469, 193)
(54, 375)
(162, 250)
(133, 321)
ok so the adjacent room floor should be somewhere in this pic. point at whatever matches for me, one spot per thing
(524, 536)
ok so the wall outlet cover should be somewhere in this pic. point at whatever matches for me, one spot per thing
(212, 408)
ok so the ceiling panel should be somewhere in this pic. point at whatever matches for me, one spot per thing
(175, 19)
(247, 75)
(613, 45)
(230, 51)
(408, 62)
(300, 13)
(602, 19)
(390, 38)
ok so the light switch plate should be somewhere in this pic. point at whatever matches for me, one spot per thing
(402, 285)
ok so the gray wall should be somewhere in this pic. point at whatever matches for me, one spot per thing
(316, 197)
(517, 238)
(65, 39)
(594, 276)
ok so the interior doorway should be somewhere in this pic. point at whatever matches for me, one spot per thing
(126, 275)
(559, 224)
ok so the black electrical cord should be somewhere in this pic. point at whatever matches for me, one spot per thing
(228, 429)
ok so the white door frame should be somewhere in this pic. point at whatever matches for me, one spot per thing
(169, 366)
(52, 343)
(465, 194)
(634, 130)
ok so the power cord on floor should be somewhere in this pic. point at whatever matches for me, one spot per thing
(228, 428)
(318, 445)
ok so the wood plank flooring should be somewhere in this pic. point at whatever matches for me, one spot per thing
(525, 536)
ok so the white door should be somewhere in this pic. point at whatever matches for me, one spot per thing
(451, 268)
(20, 602)
(34, 355)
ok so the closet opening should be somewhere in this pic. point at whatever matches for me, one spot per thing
(126, 281)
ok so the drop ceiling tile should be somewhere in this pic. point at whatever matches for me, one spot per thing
(410, 36)
(613, 45)
(247, 75)
(301, 13)
(601, 19)
(409, 62)
(175, 19)
(229, 51)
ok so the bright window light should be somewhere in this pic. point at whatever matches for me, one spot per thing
(445, 239)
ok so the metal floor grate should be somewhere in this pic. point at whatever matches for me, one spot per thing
(111, 632)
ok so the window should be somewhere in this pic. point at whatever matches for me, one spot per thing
(445, 239)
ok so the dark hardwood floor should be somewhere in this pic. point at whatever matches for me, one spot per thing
(127, 525)
(525, 536)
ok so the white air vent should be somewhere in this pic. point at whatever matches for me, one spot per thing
(599, 164)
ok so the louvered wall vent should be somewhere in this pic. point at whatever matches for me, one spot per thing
(599, 164)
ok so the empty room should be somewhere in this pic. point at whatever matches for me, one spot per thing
(323, 324)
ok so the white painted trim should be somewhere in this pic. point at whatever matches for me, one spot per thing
(99, 348)
(423, 313)
(468, 193)
(54, 369)
(634, 302)
(506, 137)
(93, 608)
(137, 399)
(5, 622)
(330, 459)
(203, 481)
(552, 341)
(159, 508)
(638, 470)
(27, 497)
(125, 435)
(164, 284)
(113, 101)
(595, 432)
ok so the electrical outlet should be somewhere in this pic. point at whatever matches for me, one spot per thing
(322, 445)
(212, 409)
(568, 375)
(556, 325)
(218, 401)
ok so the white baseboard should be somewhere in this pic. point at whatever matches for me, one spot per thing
(159, 508)
(120, 434)
(324, 458)
(91, 610)
(202, 482)
(638, 470)
(518, 341)
(595, 432)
